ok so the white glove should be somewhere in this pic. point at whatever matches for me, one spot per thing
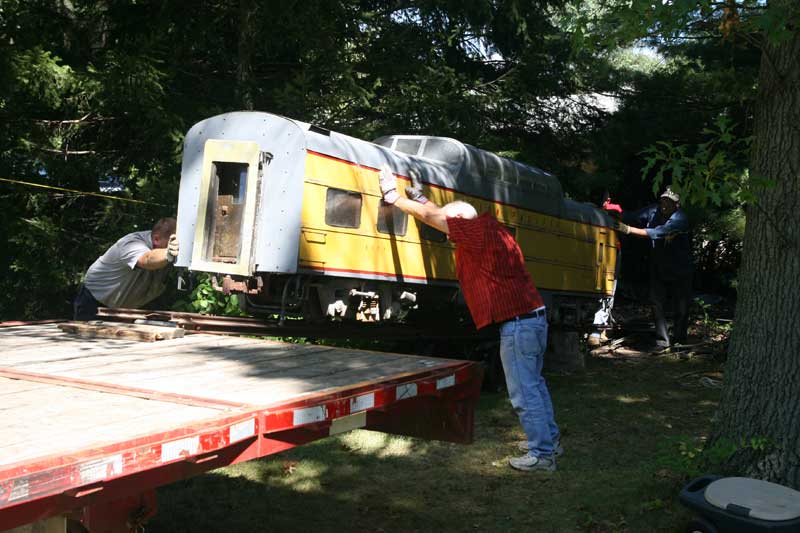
(172, 248)
(388, 182)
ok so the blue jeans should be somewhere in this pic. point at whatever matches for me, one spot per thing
(84, 307)
(522, 346)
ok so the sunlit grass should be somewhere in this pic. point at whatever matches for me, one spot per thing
(378, 444)
(614, 419)
(632, 399)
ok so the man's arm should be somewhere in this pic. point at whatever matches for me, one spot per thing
(427, 213)
(677, 223)
(153, 259)
(159, 258)
(422, 209)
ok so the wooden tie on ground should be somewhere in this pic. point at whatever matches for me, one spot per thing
(112, 330)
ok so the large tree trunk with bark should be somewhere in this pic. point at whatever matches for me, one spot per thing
(761, 396)
(248, 31)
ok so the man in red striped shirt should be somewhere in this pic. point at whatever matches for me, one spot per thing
(498, 289)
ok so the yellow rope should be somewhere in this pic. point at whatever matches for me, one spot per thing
(82, 192)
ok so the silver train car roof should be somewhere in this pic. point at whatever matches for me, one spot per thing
(440, 161)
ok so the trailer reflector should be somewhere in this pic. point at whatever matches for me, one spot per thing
(19, 490)
(443, 383)
(242, 430)
(180, 448)
(409, 390)
(361, 403)
(309, 415)
(101, 469)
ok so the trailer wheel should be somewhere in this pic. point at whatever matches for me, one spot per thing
(700, 525)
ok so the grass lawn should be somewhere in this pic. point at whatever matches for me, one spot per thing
(620, 471)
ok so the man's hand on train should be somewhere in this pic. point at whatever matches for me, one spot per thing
(414, 191)
(388, 183)
(622, 227)
(172, 248)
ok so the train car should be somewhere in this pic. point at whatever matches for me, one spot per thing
(290, 215)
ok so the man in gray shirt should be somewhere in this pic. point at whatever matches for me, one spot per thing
(131, 273)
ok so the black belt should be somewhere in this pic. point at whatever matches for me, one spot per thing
(532, 314)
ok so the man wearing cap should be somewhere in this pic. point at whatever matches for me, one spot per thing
(497, 289)
(132, 272)
(667, 227)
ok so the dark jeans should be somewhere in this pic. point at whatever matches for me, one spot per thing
(680, 292)
(85, 306)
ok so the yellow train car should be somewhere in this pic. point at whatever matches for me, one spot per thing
(290, 215)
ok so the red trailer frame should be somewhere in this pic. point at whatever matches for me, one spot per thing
(112, 488)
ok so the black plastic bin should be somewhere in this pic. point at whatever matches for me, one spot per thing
(741, 505)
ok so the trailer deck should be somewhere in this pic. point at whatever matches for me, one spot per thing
(91, 426)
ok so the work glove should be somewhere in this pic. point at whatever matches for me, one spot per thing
(172, 248)
(388, 183)
(621, 227)
(414, 191)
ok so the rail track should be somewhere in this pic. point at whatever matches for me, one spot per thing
(196, 322)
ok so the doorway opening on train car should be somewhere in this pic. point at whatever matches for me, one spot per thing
(225, 212)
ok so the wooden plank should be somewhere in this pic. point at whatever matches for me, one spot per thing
(66, 347)
(169, 355)
(66, 419)
(139, 332)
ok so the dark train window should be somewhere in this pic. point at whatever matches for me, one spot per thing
(512, 231)
(391, 220)
(343, 208)
(430, 233)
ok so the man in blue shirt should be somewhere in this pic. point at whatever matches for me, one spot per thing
(667, 227)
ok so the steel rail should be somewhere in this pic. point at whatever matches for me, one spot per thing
(196, 322)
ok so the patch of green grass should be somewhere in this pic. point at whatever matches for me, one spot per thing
(618, 421)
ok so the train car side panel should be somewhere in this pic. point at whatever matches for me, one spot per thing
(246, 150)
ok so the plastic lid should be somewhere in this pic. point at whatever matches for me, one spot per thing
(763, 500)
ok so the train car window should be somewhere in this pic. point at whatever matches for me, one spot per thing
(232, 180)
(510, 172)
(443, 150)
(343, 208)
(512, 230)
(408, 146)
(429, 233)
(391, 220)
(492, 166)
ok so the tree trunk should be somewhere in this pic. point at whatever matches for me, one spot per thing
(761, 396)
(247, 42)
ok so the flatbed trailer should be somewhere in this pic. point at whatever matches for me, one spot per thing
(91, 426)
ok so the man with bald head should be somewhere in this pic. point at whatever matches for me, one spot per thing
(497, 289)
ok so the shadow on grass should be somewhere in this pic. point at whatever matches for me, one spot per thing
(615, 419)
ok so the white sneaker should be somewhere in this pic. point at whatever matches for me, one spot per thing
(530, 463)
(558, 450)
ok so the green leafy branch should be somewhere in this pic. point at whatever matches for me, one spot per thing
(209, 301)
(711, 172)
